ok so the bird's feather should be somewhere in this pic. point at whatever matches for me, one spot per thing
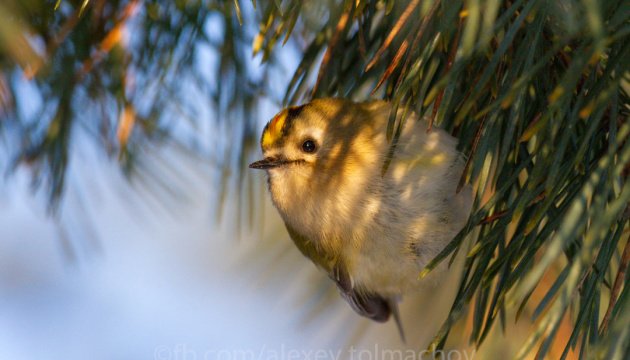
(368, 304)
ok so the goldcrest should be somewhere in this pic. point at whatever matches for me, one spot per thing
(371, 230)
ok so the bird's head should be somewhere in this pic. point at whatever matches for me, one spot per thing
(318, 157)
(291, 143)
(321, 133)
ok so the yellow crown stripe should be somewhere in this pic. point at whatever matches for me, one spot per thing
(274, 130)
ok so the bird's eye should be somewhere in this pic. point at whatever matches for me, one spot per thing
(309, 146)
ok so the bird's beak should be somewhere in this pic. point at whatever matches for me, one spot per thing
(267, 163)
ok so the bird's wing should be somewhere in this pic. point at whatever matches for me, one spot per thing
(309, 249)
(371, 305)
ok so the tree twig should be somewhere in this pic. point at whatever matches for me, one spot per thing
(392, 34)
(334, 40)
(502, 213)
(449, 65)
(393, 65)
(462, 180)
(416, 41)
(614, 292)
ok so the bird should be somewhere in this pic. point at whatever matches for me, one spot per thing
(368, 210)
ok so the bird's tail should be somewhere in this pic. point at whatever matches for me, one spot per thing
(393, 306)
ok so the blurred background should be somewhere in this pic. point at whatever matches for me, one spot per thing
(131, 228)
(117, 275)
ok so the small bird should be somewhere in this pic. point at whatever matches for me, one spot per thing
(370, 218)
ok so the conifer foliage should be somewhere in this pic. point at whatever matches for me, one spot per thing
(536, 91)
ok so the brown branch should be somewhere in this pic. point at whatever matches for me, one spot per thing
(493, 217)
(61, 35)
(449, 65)
(393, 65)
(502, 213)
(392, 34)
(341, 26)
(614, 293)
(64, 31)
(112, 38)
(475, 143)
(416, 41)
(529, 131)
(361, 36)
